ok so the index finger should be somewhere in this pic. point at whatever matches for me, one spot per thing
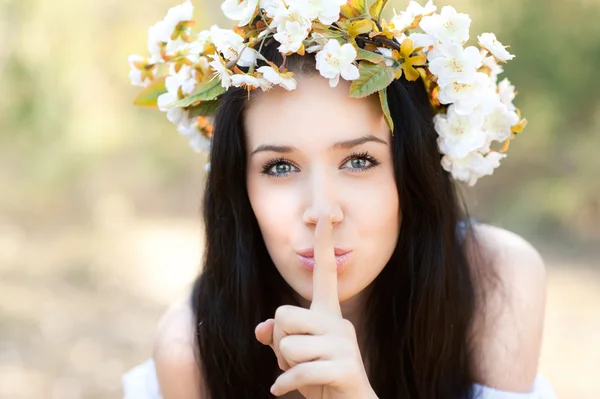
(325, 284)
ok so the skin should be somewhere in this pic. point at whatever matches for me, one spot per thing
(323, 202)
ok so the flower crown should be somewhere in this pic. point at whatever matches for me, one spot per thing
(187, 73)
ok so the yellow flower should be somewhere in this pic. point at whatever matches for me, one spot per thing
(409, 62)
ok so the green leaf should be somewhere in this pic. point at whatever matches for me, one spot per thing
(373, 77)
(369, 56)
(205, 108)
(354, 8)
(148, 97)
(386, 108)
(204, 92)
(377, 9)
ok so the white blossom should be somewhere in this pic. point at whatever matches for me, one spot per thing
(470, 168)
(264, 84)
(273, 8)
(406, 18)
(507, 94)
(335, 60)
(291, 35)
(451, 63)
(189, 129)
(158, 36)
(192, 51)
(181, 13)
(140, 74)
(232, 46)
(177, 81)
(466, 97)
(459, 134)
(200, 143)
(221, 70)
(245, 81)
(240, 11)
(326, 11)
(498, 124)
(421, 40)
(275, 78)
(491, 63)
(489, 42)
(449, 26)
(176, 45)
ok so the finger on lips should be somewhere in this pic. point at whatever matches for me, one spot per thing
(325, 287)
(296, 335)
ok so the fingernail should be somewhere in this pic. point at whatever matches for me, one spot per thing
(274, 390)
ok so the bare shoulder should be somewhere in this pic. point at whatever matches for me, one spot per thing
(175, 354)
(508, 325)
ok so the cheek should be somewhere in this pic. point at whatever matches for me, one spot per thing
(377, 218)
(383, 214)
(375, 207)
(275, 209)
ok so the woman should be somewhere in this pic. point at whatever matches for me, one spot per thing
(339, 262)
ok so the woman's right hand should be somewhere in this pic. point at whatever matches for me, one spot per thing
(268, 334)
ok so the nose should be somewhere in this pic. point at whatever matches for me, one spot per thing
(321, 199)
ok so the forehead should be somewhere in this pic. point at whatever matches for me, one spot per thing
(314, 114)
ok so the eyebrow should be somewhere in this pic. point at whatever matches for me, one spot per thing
(340, 145)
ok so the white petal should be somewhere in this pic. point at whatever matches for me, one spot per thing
(334, 81)
(199, 143)
(239, 11)
(180, 13)
(248, 57)
(347, 53)
(350, 72)
(422, 40)
(288, 83)
(490, 43)
(135, 75)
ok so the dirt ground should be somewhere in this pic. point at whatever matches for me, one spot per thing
(79, 307)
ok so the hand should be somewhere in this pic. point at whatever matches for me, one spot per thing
(317, 348)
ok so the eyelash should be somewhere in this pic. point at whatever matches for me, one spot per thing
(355, 155)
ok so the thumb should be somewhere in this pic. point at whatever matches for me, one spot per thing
(264, 332)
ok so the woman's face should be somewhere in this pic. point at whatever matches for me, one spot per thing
(315, 149)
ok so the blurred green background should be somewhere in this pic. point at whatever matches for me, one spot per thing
(99, 204)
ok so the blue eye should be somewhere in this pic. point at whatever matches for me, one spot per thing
(360, 162)
(278, 168)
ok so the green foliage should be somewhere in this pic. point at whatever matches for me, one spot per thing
(205, 92)
(148, 96)
(373, 77)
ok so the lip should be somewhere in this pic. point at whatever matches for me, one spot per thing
(310, 252)
(307, 259)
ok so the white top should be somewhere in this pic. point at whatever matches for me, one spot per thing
(141, 383)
